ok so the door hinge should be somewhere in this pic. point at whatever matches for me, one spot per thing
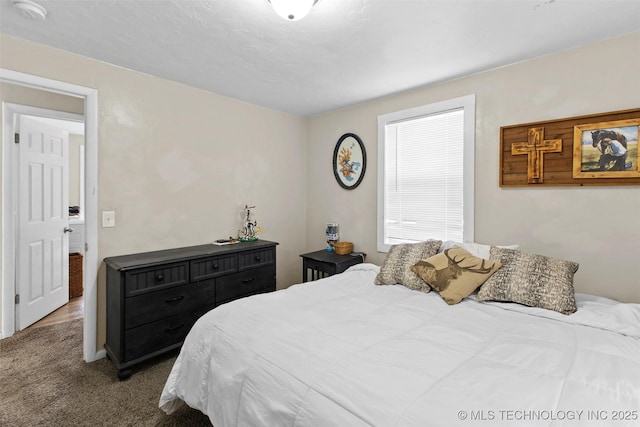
(16, 138)
(86, 247)
(17, 298)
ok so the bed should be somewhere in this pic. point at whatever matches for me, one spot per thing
(345, 351)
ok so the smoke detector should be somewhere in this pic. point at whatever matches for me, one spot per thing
(30, 9)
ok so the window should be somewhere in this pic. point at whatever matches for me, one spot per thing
(425, 173)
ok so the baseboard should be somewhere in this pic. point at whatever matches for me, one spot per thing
(100, 354)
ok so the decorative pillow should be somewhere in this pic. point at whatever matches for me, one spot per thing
(533, 280)
(455, 273)
(397, 265)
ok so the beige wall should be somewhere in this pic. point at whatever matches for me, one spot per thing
(597, 227)
(177, 164)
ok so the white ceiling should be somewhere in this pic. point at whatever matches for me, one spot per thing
(344, 52)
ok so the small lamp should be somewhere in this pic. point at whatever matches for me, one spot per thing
(292, 10)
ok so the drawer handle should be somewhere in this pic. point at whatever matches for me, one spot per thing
(257, 258)
(215, 266)
(175, 299)
(159, 278)
(175, 328)
(248, 280)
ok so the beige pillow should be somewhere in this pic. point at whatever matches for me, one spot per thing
(474, 248)
(396, 268)
(455, 273)
(533, 280)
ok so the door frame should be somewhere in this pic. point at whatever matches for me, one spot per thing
(90, 280)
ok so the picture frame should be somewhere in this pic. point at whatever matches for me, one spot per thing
(606, 150)
(349, 161)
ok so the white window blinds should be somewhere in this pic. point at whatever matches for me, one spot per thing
(424, 178)
(426, 173)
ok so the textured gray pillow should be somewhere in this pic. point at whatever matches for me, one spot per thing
(533, 280)
(396, 268)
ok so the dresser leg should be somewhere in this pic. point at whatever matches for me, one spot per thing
(124, 374)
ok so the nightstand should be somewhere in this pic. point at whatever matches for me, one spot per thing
(323, 264)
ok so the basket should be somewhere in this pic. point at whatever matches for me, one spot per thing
(75, 274)
(343, 248)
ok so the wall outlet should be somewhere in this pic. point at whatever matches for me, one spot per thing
(108, 218)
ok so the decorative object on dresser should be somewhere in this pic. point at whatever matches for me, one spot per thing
(597, 149)
(349, 161)
(154, 298)
(250, 229)
(324, 264)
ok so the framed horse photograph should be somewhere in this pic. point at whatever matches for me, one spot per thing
(606, 149)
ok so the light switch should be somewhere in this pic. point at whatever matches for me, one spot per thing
(108, 218)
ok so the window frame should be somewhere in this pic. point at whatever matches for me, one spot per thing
(467, 103)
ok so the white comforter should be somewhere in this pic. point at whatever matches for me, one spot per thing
(344, 352)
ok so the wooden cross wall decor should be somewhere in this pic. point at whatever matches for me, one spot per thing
(553, 162)
(535, 148)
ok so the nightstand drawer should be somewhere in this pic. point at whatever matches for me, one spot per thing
(157, 335)
(207, 268)
(139, 281)
(245, 283)
(170, 302)
(259, 258)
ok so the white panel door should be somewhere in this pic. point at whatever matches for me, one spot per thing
(43, 220)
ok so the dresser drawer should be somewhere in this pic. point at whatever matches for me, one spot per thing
(245, 283)
(169, 302)
(157, 335)
(257, 258)
(206, 268)
(155, 278)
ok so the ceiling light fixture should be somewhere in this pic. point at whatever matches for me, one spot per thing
(292, 10)
(30, 9)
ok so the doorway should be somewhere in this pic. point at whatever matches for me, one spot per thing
(90, 96)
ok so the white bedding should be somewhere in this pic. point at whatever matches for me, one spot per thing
(342, 351)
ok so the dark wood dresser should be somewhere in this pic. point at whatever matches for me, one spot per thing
(154, 298)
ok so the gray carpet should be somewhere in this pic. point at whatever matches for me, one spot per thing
(45, 382)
